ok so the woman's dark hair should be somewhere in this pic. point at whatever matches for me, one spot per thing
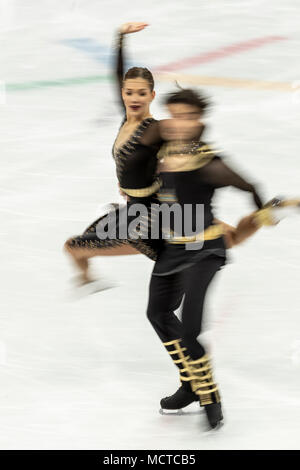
(188, 96)
(140, 72)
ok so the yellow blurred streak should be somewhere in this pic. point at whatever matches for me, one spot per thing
(227, 82)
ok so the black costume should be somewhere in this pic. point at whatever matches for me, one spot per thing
(137, 178)
(180, 270)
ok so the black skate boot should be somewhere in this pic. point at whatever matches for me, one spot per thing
(214, 414)
(181, 398)
(204, 386)
(197, 384)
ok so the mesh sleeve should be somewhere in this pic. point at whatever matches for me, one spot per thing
(218, 174)
(160, 131)
(152, 136)
(119, 70)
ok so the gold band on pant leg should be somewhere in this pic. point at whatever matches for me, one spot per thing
(181, 361)
(200, 378)
(174, 341)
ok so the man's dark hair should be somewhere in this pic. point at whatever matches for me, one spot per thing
(189, 96)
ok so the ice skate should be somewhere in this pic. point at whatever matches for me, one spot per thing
(180, 399)
(214, 414)
(90, 286)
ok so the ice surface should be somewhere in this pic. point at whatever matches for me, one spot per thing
(89, 373)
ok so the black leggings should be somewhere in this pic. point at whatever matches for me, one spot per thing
(166, 293)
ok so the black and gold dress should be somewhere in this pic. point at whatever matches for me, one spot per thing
(137, 178)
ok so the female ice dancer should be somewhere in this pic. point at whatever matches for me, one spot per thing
(137, 92)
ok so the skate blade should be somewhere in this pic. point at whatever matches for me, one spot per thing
(162, 411)
(98, 286)
(210, 430)
(179, 412)
(93, 287)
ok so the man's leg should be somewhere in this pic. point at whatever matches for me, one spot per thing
(165, 296)
(194, 364)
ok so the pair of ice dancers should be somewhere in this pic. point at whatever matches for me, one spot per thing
(136, 92)
(168, 161)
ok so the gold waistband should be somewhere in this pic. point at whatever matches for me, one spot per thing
(211, 233)
(143, 192)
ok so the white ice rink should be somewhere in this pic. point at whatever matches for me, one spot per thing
(88, 373)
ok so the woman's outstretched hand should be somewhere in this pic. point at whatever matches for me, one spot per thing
(133, 27)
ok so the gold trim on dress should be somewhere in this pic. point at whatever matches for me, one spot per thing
(143, 192)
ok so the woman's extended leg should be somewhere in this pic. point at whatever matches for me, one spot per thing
(81, 255)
